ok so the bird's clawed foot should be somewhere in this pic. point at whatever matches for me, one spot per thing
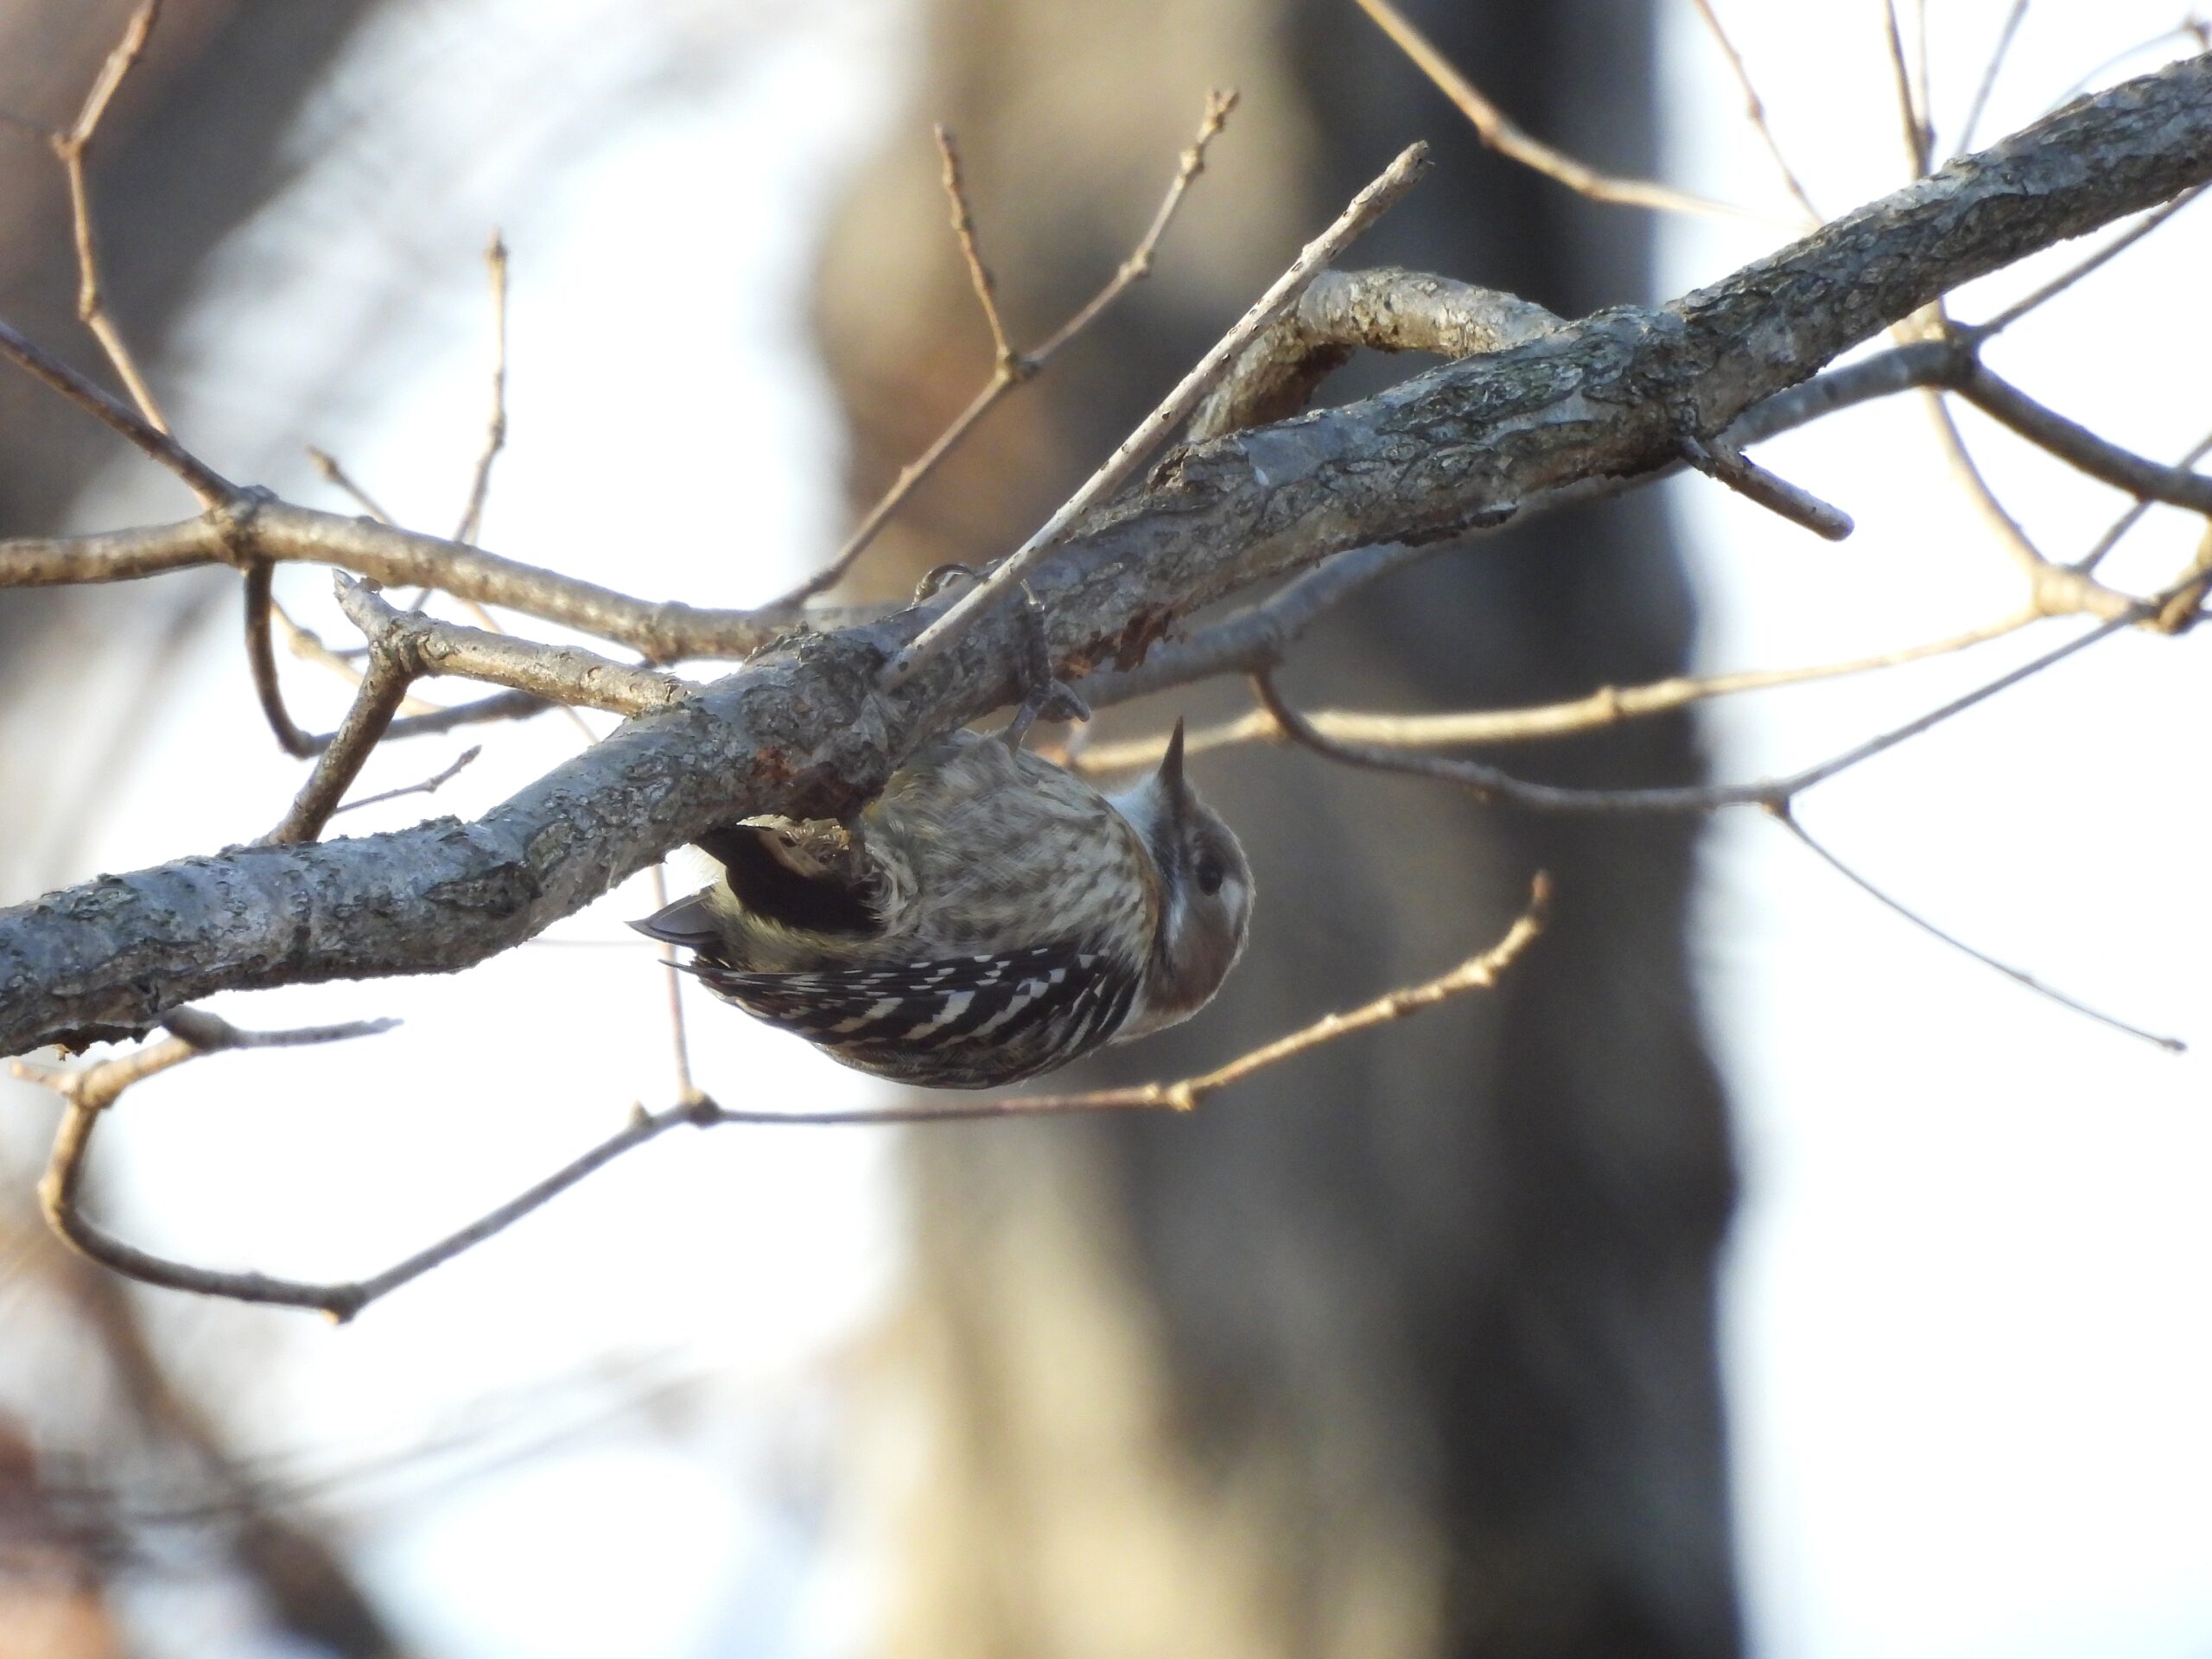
(1046, 697)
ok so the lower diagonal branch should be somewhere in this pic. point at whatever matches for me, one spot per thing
(88, 1094)
(91, 1090)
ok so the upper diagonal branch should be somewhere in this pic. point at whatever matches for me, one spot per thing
(1597, 405)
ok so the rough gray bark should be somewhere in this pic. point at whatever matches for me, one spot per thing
(1599, 404)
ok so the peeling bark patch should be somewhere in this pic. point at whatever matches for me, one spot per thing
(1142, 632)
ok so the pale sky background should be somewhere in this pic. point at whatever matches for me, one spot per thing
(1966, 1337)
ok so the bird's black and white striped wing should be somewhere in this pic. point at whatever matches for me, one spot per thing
(955, 1022)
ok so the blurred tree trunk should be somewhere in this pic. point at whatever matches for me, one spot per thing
(1407, 1349)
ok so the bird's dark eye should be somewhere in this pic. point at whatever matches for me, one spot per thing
(1209, 874)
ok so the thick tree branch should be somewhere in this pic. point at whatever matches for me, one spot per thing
(279, 532)
(1599, 404)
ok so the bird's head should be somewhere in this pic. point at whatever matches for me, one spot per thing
(1205, 894)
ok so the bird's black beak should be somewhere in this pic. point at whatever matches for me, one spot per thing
(1171, 764)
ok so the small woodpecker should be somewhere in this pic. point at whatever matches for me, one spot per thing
(988, 916)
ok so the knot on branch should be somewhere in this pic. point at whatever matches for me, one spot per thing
(238, 535)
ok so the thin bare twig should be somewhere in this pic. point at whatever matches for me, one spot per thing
(504, 705)
(1967, 472)
(307, 646)
(1365, 209)
(1755, 108)
(1788, 821)
(261, 662)
(1608, 706)
(1719, 459)
(1491, 783)
(495, 441)
(1479, 972)
(429, 785)
(89, 1091)
(1989, 72)
(1923, 94)
(1919, 137)
(203, 480)
(1007, 362)
(687, 1092)
(495, 435)
(2080, 447)
(2011, 314)
(69, 147)
(2128, 521)
(327, 464)
(1007, 372)
(1138, 266)
(1498, 131)
(255, 527)
(2191, 28)
(2052, 587)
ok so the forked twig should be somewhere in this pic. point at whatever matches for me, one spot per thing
(69, 147)
(1363, 210)
(1490, 783)
(1007, 362)
(1009, 368)
(1138, 266)
(429, 785)
(567, 676)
